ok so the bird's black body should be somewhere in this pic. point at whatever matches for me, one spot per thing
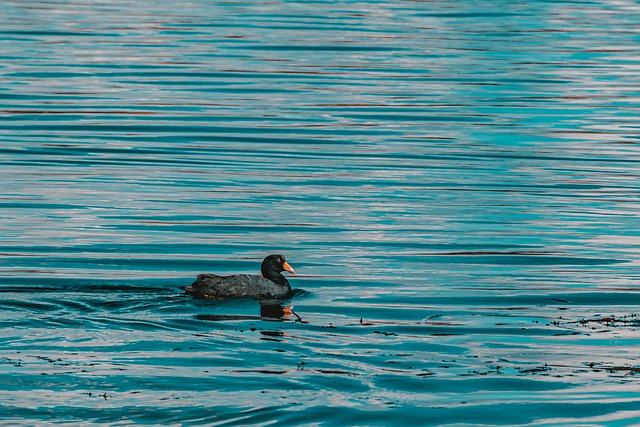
(271, 285)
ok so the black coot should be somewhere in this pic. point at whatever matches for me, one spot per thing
(271, 285)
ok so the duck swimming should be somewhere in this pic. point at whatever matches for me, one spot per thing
(271, 285)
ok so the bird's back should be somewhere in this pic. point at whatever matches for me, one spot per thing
(237, 286)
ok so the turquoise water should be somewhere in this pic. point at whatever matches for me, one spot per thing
(456, 184)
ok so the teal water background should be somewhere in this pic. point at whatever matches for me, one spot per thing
(456, 184)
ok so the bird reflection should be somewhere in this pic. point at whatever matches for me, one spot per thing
(270, 310)
(275, 311)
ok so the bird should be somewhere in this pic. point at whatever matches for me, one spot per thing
(271, 285)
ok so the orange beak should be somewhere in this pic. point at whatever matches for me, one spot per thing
(287, 267)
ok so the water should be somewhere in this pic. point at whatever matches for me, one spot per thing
(456, 184)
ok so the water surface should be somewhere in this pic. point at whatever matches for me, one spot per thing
(456, 184)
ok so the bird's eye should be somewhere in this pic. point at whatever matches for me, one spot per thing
(280, 259)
